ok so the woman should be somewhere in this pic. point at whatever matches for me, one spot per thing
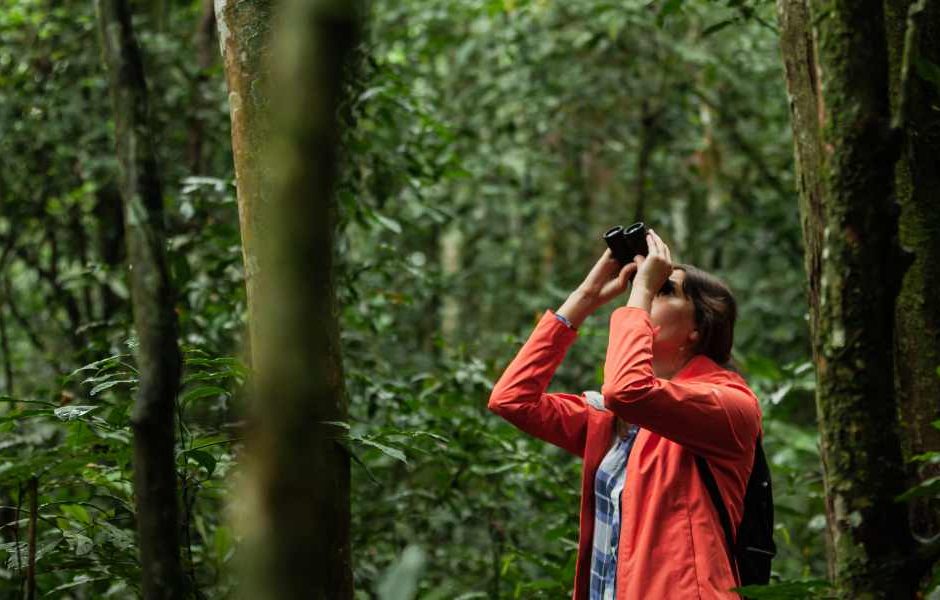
(648, 528)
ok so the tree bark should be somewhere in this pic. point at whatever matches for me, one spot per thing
(649, 121)
(799, 56)
(110, 243)
(297, 470)
(243, 40)
(152, 295)
(451, 248)
(205, 56)
(917, 186)
(846, 149)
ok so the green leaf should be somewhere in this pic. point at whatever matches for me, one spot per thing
(80, 544)
(78, 580)
(109, 384)
(387, 450)
(786, 590)
(929, 488)
(99, 364)
(41, 551)
(928, 71)
(390, 224)
(76, 512)
(71, 413)
(717, 27)
(400, 581)
(120, 538)
(204, 391)
(106, 376)
(205, 459)
(668, 7)
(223, 543)
(358, 461)
(932, 457)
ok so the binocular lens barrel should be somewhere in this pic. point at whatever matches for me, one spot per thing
(626, 243)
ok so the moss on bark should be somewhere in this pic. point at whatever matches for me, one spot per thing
(917, 187)
(846, 152)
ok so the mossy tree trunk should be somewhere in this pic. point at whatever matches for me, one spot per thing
(917, 188)
(837, 70)
(152, 295)
(297, 497)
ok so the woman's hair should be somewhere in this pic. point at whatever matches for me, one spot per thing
(715, 312)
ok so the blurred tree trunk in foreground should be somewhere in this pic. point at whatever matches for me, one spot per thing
(297, 505)
(152, 294)
(847, 152)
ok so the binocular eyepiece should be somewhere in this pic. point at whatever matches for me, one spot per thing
(627, 243)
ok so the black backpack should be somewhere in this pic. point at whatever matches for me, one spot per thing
(754, 547)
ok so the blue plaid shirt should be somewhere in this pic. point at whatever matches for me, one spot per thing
(608, 485)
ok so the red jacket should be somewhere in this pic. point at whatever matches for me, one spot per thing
(671, 541)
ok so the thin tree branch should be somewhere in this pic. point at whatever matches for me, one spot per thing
(911, 35)
(59, 294)
(31, 557)
(5, 348)
(22, 321)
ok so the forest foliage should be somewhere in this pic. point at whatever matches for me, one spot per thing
(487, 145)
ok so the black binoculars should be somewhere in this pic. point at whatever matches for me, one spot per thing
(627, 243)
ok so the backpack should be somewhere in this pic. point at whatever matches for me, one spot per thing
(750, 554)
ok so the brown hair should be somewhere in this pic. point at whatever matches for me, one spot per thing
(715, 312)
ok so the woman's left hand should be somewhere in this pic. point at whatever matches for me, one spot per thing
(607, 279)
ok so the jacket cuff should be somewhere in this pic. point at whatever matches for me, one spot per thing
(630, 312)
(560, 332)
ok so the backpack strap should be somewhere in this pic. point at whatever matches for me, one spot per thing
(712, 487)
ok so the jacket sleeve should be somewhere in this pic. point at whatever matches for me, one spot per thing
(519, 395)
(716, 417)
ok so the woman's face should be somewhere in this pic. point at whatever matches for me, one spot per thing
(674, 314)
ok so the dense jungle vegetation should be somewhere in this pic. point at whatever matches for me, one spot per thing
(483, 148)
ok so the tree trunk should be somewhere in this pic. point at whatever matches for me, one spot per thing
(203, 40)
(837, 78)
(917, 187)
(649, 119)
(451, 247)
(297, 521)
(7, 357)
(799, 53)
(243, 38)
(110, 242)
(152, 296)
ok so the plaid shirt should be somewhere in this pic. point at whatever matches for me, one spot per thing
(608, 484)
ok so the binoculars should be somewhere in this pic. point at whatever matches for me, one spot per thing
(627, 243)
